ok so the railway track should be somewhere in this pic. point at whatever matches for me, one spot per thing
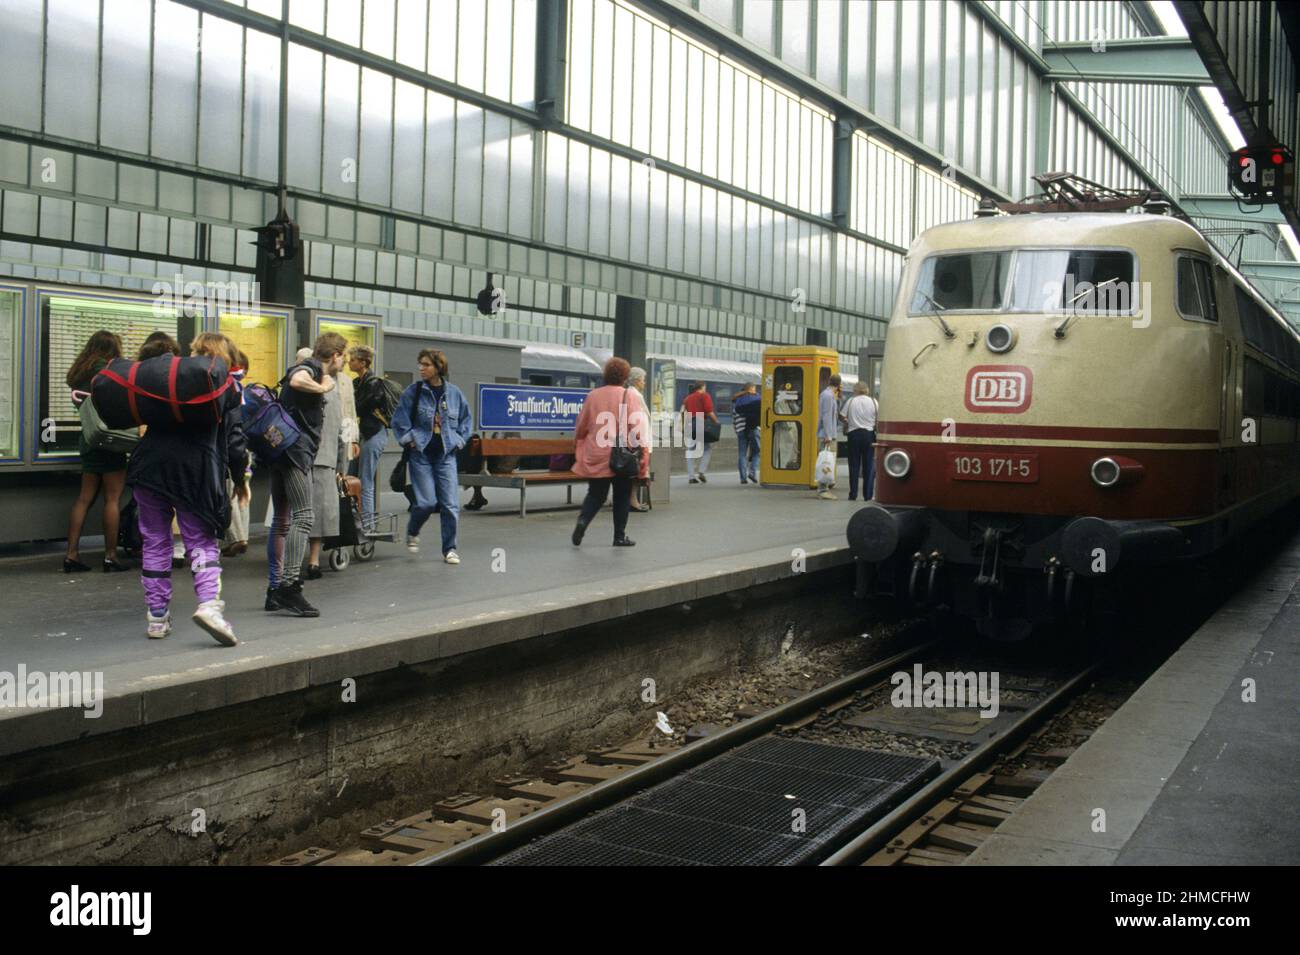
(941, 812)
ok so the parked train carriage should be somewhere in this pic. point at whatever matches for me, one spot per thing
(1065, 397)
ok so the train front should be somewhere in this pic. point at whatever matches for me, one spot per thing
(1037, 435)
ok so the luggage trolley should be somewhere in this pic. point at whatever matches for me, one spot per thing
(350, 534)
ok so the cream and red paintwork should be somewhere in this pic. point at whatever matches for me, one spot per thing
(1154, 387)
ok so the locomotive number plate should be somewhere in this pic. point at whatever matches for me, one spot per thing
(992, 466)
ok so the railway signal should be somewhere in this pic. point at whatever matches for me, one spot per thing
(1260, 174)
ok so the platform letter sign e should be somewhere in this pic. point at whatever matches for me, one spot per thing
(1000, 389)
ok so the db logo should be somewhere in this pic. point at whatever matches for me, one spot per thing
(1003, 389)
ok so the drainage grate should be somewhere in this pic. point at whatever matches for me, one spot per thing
(738, 809)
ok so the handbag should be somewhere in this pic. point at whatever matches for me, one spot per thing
(100, 436)
(624, 461)
(712, 431)
(397, 480)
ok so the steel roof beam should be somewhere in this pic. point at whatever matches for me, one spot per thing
(1170, 61)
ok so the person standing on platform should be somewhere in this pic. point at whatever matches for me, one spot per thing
(159, 343)
(100, 469)
(860, 413)
(610, 417)
(374, 431)
(303, 395)
(745, 414)
(828, 416)
(636, 379)
(236, 540)
(698, 407)
(432, 422)
(331, 461)
(178, 471)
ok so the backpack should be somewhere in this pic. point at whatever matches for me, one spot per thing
(387, 393)
(268, 427)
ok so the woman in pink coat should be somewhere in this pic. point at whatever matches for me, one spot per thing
(610, 415)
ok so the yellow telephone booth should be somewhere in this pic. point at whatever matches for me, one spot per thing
(793, 378)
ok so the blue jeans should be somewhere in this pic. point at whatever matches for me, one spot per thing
(371, 449)
(747, 460)
(433, 477)
(862, 461)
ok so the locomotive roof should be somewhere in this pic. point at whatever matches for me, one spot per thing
(1062, 228)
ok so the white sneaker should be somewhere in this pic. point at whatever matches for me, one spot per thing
(209, 617)
(159, 627)
(827, 496)
(413, 545)
(451, 557)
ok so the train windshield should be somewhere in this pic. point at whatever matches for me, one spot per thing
(1042, 281)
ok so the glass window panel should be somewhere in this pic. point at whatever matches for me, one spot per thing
(602, 71)
(695, 130)
(886, 66)
(262, 106)
(580, 63)
(412, 29)
(779, 136)
(753, 176)
(498, 81)
(496, 171)
(308, 14)
(175, 95)
(661, 104)
(408, 146)
(557, 157)
(576, 232)
(522, 61)
(304, 160)
(676, 199)
(339, 165)
(621, 76)
(794, 33)
(758, 23)
(439, 158)
(124, 124)
(711, 131)
(828, 43)
(911, 81)
(988, 92)
(20, 50)
(343, 21)
(969, 116)
(442, 40)
(727, 138)
(374, 164)
(221, 93)
(642, 83)
(377, 24)
(521, 181)
(469, 164)
(71, 69)
(471, 43)
(723, 11)
(600, 223)
(677, 102)
(658, 219)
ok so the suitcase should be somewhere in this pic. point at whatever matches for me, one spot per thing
(166, 390)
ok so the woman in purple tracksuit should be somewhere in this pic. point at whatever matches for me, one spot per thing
(181, 470)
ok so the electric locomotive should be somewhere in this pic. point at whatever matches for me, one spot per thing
(1066, 396)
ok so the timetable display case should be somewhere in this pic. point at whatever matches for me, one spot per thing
(356, 329)
(263, 335)
(66, 319)
(13, 325)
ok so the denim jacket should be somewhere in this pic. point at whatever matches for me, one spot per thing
(413, 419)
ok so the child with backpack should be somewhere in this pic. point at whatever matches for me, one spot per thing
(179, 470)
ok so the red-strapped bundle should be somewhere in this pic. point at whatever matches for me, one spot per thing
(161, 391)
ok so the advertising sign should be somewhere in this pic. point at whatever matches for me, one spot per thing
(528, 408)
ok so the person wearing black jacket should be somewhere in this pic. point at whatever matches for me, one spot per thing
(180, 470)
(369, 389)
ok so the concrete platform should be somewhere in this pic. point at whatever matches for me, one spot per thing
(518, 579)
(1186, 771)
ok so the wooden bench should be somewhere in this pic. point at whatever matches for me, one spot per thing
(519, 480)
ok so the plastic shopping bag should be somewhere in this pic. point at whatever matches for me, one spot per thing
(825, 469)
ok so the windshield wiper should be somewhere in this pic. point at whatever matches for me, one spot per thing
(1060, 329)
(947, 331)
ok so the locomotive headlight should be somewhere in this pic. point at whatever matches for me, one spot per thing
(1105, 472)
(897, 463)
(1000, 338)
(1116, 472)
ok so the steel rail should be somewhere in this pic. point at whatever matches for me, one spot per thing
(492, 845)
(876, 836)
